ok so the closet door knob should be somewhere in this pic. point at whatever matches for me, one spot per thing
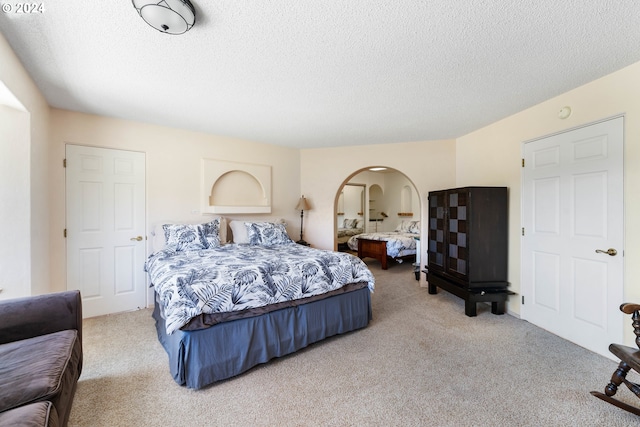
(137, 238)
(610, 252)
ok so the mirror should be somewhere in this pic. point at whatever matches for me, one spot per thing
(350, 212)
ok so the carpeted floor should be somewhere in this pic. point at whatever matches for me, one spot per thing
(420, 362)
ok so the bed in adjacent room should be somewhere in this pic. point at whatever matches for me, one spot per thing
(221, 309)
(350, 228)
(398, 245)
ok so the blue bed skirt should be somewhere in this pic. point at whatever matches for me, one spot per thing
(202, 357)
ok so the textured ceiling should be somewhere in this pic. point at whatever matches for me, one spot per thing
(314, 73)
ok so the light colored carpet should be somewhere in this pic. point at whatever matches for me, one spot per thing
(420, 362)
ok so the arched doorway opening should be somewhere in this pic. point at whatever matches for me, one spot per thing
(375, 199)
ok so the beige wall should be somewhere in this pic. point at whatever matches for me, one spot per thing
(429, 165)
(15, 249)
(173, 171)
(31, 274)
(491, 156)
(488, 156)
(393, 199)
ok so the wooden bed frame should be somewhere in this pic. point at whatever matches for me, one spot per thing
(376, 249)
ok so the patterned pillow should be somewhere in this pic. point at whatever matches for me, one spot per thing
(412, 227)
(267, 233)
(189, 237)
(349, 223)
(212, 233)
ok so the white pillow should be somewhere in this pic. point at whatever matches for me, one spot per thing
(239, 231)
(402, 227)
(407, 226)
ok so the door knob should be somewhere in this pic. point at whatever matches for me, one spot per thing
(137, 238)
(610, 251)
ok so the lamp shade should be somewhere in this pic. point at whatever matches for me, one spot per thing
(303, 205)
(167, 16)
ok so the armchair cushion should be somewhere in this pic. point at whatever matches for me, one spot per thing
(40, 414)
(38, 369)
(40, 355)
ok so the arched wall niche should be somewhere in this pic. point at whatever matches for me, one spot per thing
(377, 206)
(406, 202)
(397, 198)
(232, 187)
(236, 188)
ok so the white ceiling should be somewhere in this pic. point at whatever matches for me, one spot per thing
(314, 73)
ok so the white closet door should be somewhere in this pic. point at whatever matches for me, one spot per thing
(106, 228)
(572, 215)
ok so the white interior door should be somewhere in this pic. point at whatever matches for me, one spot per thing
(105, 205)
(572, 214)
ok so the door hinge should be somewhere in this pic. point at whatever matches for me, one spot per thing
(523, 231)
(64, 163)
(522, 162)
(522, 299)
(65, 233)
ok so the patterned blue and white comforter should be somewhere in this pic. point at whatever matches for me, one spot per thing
(345, 232)
(236, 277)
(398, 243)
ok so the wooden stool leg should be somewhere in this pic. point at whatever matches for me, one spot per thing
(616, 379)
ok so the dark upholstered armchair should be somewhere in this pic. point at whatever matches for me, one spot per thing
(40, 358)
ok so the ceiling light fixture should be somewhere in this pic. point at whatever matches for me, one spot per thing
(167, 16)
(377, 169)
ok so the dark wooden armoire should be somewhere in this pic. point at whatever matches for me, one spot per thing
(468, 245)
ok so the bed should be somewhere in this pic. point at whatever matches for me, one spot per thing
(350, 228)
(221, 309)
(398, 245)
